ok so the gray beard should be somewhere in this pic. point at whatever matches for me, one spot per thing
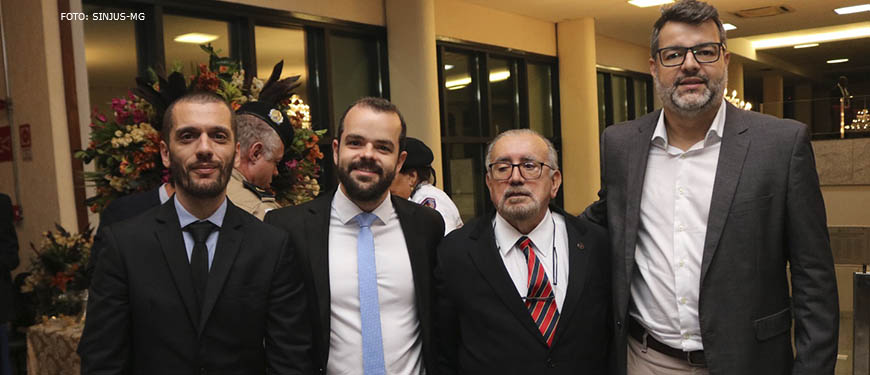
(709, 99)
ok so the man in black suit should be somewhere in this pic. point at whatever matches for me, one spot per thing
(709, 207)
(196, 285)
(124, 208)
(8, 262)
(526, 289)
(368, 255)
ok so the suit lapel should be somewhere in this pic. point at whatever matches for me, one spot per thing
(735, 144)
(578, 258)
(638, 155)
(228, 244)
(172, 244)
(317, 238)
(488, 260)
(416, 252)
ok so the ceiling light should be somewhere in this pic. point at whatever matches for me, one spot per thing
(854, 33)
(454, 84)
(806, 45)
(728, 26)
(837, 61)
(448, 66)
(853, 9)
(195, 38)
(649, 3)
(500, 75)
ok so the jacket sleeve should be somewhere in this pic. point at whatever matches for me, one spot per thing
(105, 345)
(447, 333)
(8, 238)
(814, 284)
(597, 211)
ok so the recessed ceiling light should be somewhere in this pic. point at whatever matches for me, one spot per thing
(195, 38)
(649, 3)
(853, 33)
(728, 26)
(853, 9)
(806, 45)
(448, 66)
(837, 61)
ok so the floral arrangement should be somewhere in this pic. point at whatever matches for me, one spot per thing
(125, 147)
(57, 281)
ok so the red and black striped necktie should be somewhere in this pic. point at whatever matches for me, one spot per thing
(540, 299)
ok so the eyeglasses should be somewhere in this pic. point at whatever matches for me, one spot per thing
(529, 170)
(705, 53)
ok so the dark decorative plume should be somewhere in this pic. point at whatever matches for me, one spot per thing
(170, 89)
(275, 90)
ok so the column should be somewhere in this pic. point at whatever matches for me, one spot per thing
(413, 70)
(772, 93)
(735, 77)
(36, 78)
(578, 92)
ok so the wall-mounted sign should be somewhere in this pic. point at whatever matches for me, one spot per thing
(5, 143)
(26, 142)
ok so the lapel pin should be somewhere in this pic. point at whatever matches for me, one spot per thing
(580, 246)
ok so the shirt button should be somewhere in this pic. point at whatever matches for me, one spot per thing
(681, 190)
(681, 228)
(683, 301)
(681, 264)
(686, 336)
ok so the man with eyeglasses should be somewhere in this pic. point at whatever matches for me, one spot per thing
(708, 208)
(525, 289)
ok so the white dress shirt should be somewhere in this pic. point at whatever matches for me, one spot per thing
(506, 237)
(400, 327)
(677, 190)
(185, 218)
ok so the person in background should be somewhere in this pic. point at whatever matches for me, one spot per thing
(8, 262)
(416, 182)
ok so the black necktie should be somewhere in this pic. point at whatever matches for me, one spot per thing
(199, 257)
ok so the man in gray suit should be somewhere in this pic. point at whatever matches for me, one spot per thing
(708, 207)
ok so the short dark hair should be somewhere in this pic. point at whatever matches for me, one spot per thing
(426, 173)
(692, 12)
(198, 97)
(377, 105)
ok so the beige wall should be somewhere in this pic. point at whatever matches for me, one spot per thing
(362, 11)
(37, 90)
(474, 23)
(618, 54)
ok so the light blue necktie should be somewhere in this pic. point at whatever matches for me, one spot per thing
(369, 308)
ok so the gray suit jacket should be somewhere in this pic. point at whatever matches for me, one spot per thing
(766, 213)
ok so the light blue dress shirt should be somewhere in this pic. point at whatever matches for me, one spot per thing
(185, 218)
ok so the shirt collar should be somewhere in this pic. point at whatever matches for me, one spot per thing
(506, 236)
(346, 210)
(163, 194)
(185, 217)
(714, 134)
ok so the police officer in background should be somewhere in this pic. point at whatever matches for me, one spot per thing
(263, 134)
(415, 182)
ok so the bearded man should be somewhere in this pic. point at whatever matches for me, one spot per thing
(524, 289)
(368, 255)
(196, 285)
(708, 208)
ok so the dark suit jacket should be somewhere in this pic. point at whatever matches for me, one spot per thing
(120, 209)
(308, 225)
(8, 256)
(142, 318)
(766, 213)
(484, 326)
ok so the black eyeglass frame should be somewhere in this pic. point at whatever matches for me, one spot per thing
(694, 50)
(517, 165)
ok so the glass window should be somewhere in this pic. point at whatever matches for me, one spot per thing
(463, 111)
(620, 98)
(504, 100)
(467, 187)
(275, 44)
(354, 71)
(540, 99)
(640, 98)
(111, 58)
(182, 37)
